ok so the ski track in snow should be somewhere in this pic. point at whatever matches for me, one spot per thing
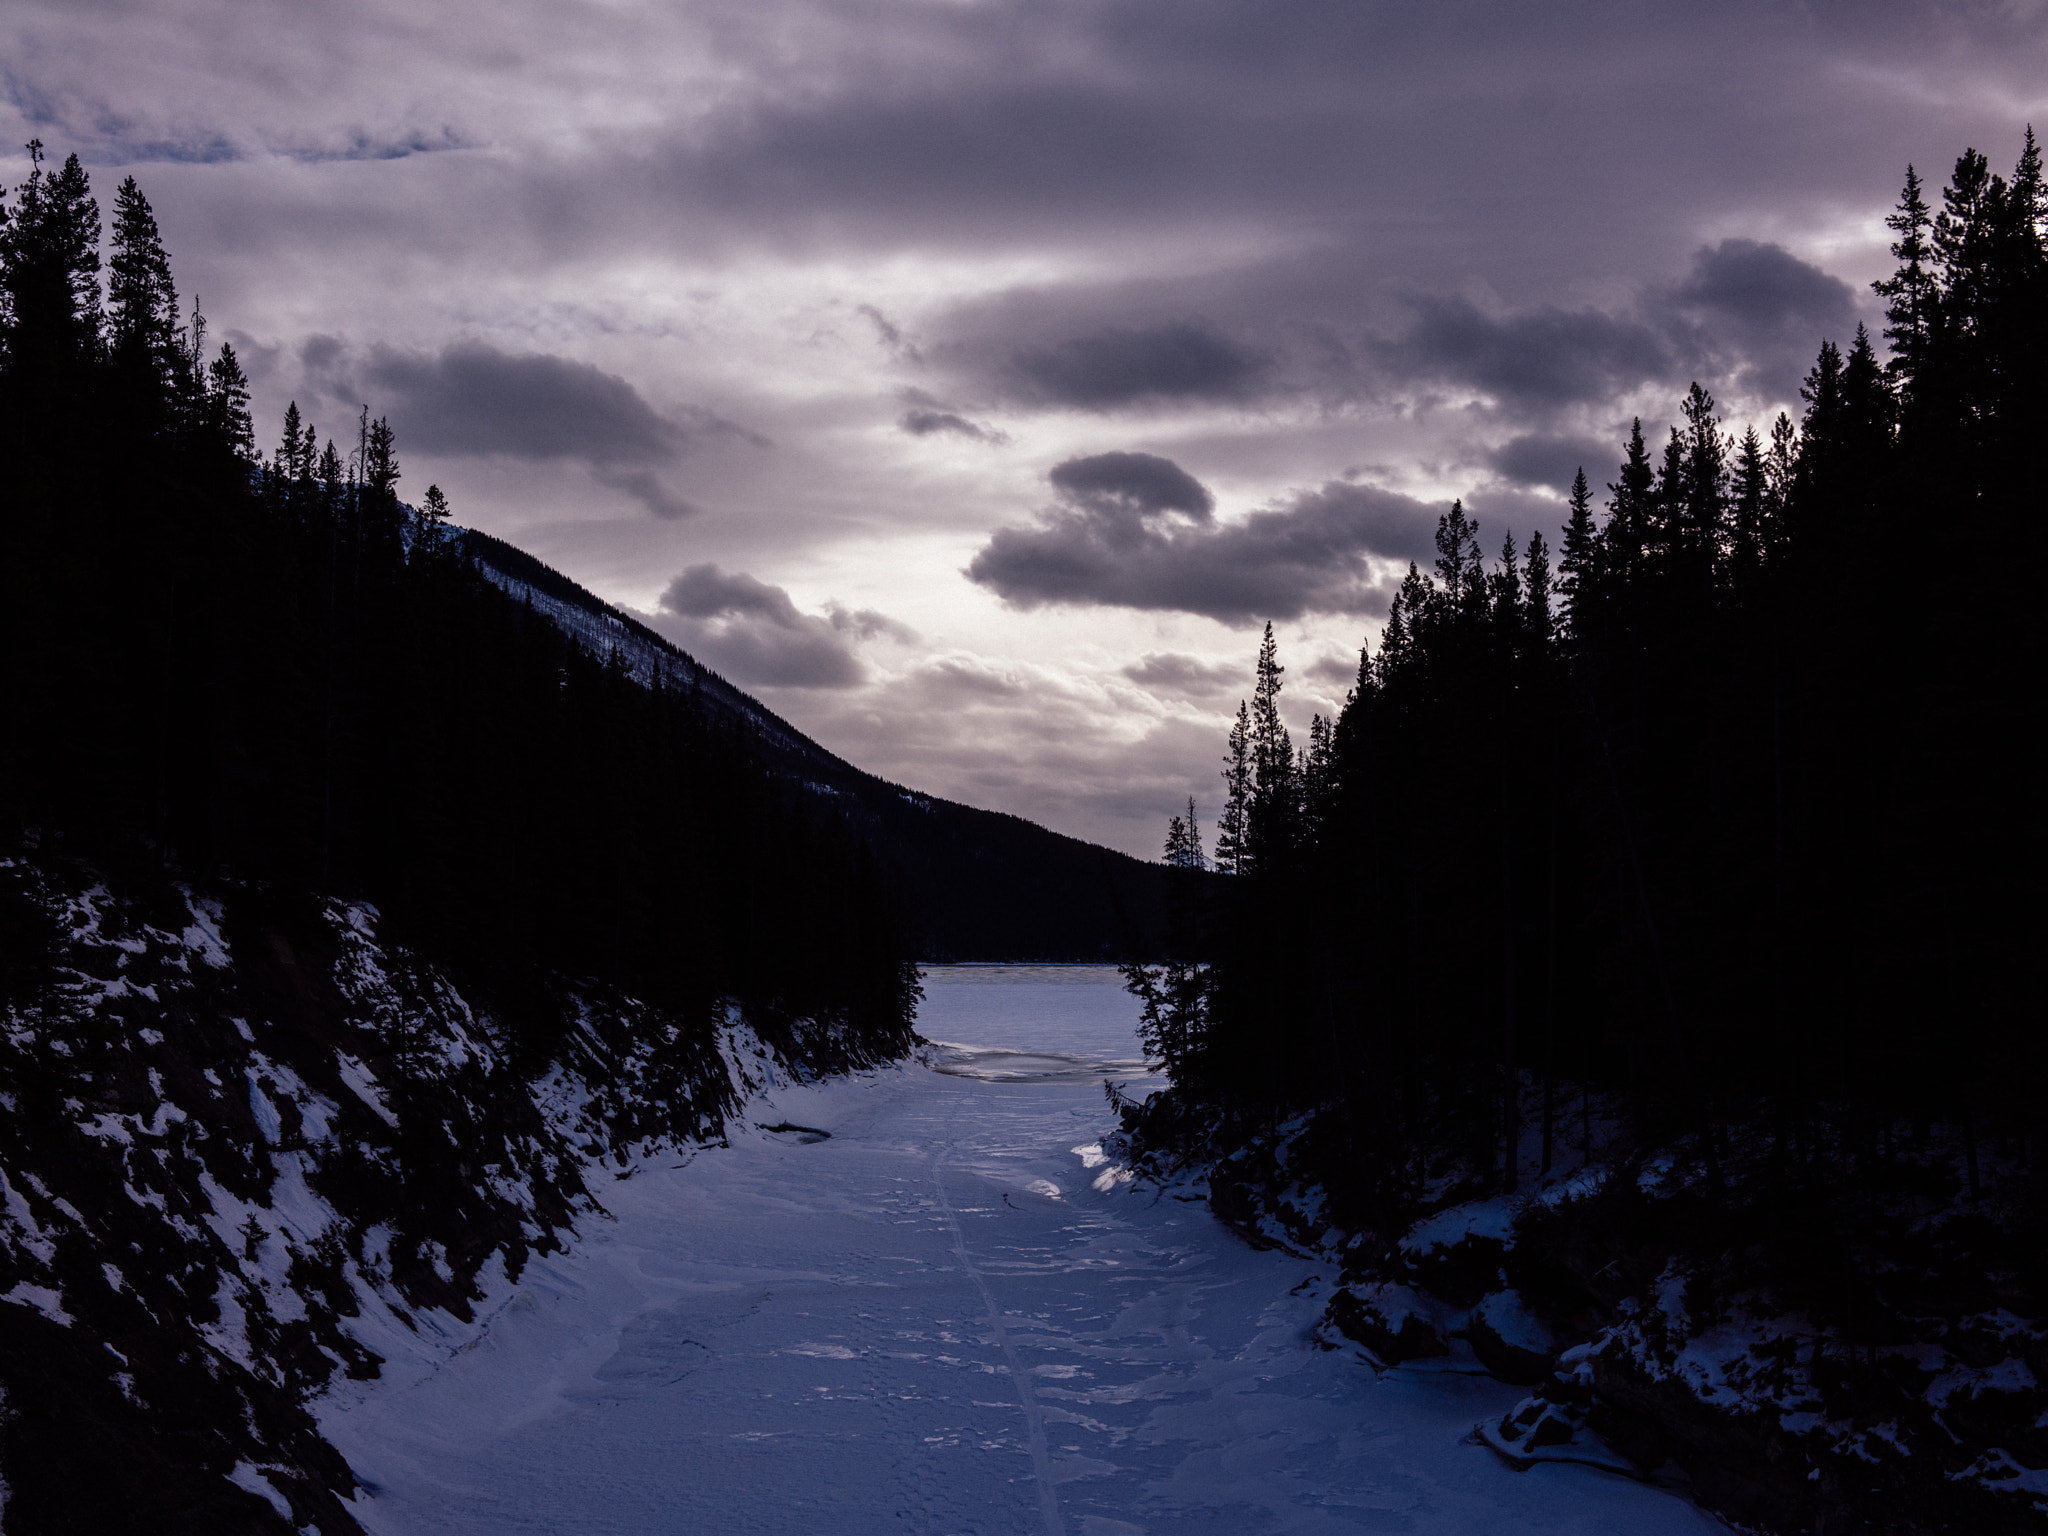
(785, 1336)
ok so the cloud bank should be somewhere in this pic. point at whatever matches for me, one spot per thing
(1133, 530)
(753, 633)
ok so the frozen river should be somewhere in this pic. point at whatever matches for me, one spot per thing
(940, 1318)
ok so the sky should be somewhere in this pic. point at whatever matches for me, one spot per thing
(971, 380)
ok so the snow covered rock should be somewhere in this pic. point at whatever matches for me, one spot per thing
(248, 1146)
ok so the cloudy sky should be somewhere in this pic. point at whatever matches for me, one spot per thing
(971, 379)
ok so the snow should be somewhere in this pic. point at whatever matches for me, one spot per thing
(45, 1300)
(363, 1084)
(1510, 1318)
(934, 1319)
(250, 1479)
(1494, 1218)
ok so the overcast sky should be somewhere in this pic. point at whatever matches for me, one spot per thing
(971, 379)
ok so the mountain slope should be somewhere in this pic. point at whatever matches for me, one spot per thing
(980, 885)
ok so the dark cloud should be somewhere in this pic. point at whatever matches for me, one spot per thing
(1532, 360)
(1178, 672)
(1132, 485)
(1758, 314)
(1745, 317)
(1766, 290)
(1536, 459)
(1313, 554)
(924, 422)
(320, 353)
(753, 632)
(1128, 365)
(645, 487)
(471, 398)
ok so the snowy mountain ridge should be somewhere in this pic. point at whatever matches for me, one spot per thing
(979, 884)
(648, 657)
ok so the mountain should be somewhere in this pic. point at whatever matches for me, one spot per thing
(978, 885)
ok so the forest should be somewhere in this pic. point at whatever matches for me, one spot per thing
(214, 660)
(1636, 984)
(1725, 801)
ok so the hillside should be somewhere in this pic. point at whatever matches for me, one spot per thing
(979, 885)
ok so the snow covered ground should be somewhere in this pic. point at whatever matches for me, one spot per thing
(948, 1315)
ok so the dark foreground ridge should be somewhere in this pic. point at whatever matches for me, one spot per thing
(251, 1145)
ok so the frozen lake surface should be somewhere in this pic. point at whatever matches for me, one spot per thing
(947, 1316)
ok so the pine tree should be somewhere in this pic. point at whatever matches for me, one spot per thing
(430, 535)
(1910, 292)
(49, 277)
(228, 405)
(1868, 405)
(293, 449)
(1233, 852)
(1822, 430)
(1780, 468)
(1398, 635)
(1701, 535)
(1316, 772)
(1630, 511)
(1665, 546)
(142, 304)
(1504, 594)
(380, 461)
(1274, 806)
(1174, 995)
(1459, 564)
(1962, 239)
(1538, 621)
(1751, 494)
(1578, 568)
(2029, 187)
(328, 472)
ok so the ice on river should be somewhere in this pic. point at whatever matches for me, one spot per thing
(939, 1317)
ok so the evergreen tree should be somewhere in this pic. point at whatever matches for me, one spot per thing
(1702, 534)
(1631, 510)
(1578, 566)
(1233, 830)
(380, 461)
(294, 449)
(1780, 466)
(1666, 548)
(228, 405)
(1910, 291)
(1752, 490)
(1823, 430)
(1174, 994)
(49, 278)
(1460, 566)
(1273, 808)
(143, 341)
(1539, 623)
(327, 473)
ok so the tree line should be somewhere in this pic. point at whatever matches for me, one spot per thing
(1727, 806)
(271, 668)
